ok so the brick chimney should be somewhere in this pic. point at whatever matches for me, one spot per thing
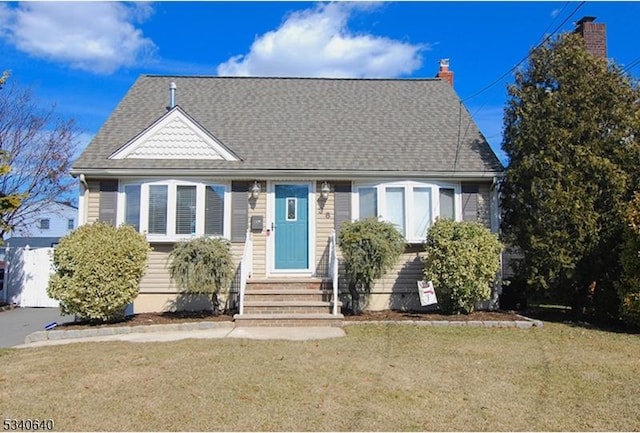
(444, 73)
(594, 34)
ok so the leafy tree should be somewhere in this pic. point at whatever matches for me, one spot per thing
(202, 265)
(463, 260)
(98, 270)
(369, 249)
(3, 78)
(571, 133)
(38, 146)
(9, 203)
(629, 285)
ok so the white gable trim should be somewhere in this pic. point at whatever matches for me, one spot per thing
(175, 136)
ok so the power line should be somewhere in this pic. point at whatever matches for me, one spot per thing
(631, 65)
(496, 81)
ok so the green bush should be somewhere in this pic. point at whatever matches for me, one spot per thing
(369, 249)
(202, 265)
(628, 287)
(462, 260)
(97, 270)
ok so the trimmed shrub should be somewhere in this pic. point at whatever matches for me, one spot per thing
(202, 266)
(462, 260)
(98, 268)
(369, 249)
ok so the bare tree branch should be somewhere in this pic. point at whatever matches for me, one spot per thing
(38, 147)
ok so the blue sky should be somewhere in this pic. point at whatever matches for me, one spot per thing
(84, 56)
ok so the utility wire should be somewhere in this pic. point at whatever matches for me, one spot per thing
(513, 68)
(631, 65)
(496, 81)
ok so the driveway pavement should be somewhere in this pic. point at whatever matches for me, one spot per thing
(17, 323)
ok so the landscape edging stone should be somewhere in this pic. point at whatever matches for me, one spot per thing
(192, 326)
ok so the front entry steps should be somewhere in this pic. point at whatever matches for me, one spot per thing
(288, 302)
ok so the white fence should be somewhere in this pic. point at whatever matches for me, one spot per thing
(26, 278)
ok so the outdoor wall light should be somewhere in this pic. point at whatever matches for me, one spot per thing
(325, 190)
(255, 190)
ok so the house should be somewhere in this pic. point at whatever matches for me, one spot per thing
(44, 227)
(25, 262)
(276, 165)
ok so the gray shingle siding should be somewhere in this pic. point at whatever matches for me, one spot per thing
(413, 125)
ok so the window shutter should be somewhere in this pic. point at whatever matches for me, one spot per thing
(239, 210)
(108, 201)
(342, 211)
(470, 201)
(214, 210)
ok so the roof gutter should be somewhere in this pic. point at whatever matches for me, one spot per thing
(279, 174)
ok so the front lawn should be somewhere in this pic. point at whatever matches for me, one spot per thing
(380, 377)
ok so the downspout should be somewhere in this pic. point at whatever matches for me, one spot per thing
(495, 228)
(83, 200)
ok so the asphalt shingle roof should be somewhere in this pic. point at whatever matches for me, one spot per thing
(413, 125)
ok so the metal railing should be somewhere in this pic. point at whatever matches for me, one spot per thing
(246, 266)
(333, 270)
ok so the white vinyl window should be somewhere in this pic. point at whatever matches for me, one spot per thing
(410, 206)
(176, 209)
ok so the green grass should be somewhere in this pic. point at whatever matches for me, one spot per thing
(379, 377)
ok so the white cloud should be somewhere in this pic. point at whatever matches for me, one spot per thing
(318, 43)
(99, 37)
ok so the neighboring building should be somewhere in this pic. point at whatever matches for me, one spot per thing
(281, 163)
(40, 230)
(45, 227)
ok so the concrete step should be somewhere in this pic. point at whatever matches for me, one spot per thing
(288, 283)
(282, 295)
(309, 319)
(286, 307)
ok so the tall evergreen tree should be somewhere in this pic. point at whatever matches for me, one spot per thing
(572, 135)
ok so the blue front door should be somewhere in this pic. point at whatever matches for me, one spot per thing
(292, 227)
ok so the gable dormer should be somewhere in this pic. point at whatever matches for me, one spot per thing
(175, 136)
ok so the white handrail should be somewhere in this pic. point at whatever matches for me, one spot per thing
(333, 270)
(246, 265)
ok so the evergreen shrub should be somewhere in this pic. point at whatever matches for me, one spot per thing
(98, 268)
(462, 261)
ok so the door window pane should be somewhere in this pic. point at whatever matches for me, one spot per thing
(368, 199)
(421, 212)
(185, 210)
(395, 208)
(447, 209)
(291, 210)
(214, 210)
(132, 206)
(158, 209)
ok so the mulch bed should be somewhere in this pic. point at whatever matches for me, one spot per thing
(199, 316)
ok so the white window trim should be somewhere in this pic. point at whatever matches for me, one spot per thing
(172, 184)
(381, 185)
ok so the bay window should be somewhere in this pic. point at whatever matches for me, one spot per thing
(158, 195)
(132, 205)
(410, 206)
(171, 210)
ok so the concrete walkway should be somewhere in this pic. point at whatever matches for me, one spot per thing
(219, 330)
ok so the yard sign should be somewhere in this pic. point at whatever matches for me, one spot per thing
(427, 293)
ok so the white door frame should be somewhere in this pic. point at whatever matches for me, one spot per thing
(271, 218)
